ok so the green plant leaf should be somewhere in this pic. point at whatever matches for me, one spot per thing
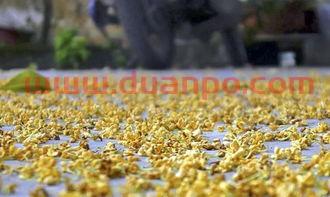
(70, 48)
(27, 81)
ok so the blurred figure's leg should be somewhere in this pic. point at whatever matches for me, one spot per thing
(235, 46)
(228, 16)
(155, 51)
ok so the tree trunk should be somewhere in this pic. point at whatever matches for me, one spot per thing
(47, 19)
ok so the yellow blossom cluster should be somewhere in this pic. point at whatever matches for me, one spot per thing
(55, 136)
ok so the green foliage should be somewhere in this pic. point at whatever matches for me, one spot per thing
(117, 52)
(272, 6)
(70, 49)
(119, 58)
(27, 81)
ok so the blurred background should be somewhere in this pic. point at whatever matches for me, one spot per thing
(61, 34)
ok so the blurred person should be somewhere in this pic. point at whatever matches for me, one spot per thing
(99, 11)
(150, 25)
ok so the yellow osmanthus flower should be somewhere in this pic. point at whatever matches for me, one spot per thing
(173, 140)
